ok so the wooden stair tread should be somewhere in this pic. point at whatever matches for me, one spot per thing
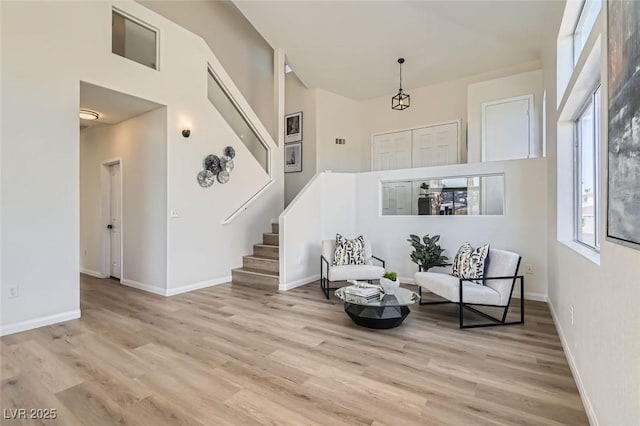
(262, 258)
(257, 272)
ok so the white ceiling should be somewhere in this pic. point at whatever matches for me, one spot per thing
(113, 107)
(351, 47)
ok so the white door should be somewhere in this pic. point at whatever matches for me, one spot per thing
(435, 145)
(392, 151)
(396, 198)
(507, 129)
(115, 228)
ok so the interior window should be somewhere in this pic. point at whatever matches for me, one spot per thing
(134, 40)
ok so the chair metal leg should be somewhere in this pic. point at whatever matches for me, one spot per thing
(470, 307)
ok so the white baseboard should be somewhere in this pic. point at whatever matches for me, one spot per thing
(591, 414)
(537, 297)
(298, 283)
(197, 286)
(39, 322)
(145, 287)
(92, 273)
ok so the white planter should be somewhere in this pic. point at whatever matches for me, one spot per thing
(388, 286)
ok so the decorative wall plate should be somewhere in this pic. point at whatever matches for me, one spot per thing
(206, 178)
(223, 177)
(212, 163)
(228, 166)
(230, 152)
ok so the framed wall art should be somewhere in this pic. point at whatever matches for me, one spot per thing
(293, 157)
(293, 127)
(623, 206)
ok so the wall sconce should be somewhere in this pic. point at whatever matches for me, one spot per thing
(186, 131)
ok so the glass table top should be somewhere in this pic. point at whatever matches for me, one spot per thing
(401, 297)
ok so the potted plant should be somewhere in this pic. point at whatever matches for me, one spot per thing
(425, 189)
(389, 282)
(427, 253)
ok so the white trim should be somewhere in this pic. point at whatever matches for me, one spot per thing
(197, 286)
(457, 122)
(17, 327)
(145, 287)
(91, 272)
(247, 203)
(591, 414)
(298, 283)
(531, 114)
(536, 297)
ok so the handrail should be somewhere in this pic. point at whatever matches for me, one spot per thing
(246, 204)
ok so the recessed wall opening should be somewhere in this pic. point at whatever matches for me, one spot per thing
(123, 188)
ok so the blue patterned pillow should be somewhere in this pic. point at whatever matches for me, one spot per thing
(348, 252)
(470, 262)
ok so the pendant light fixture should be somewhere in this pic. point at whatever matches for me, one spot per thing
(401, 100)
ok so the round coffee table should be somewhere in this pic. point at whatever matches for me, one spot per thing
(388, 312)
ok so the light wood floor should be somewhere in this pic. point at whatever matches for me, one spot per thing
(243, 355)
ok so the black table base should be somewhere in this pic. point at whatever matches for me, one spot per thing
(379, 317)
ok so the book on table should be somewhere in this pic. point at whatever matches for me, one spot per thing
(370, 293)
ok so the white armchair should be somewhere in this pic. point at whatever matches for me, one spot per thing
(329, 273)
(500, 280)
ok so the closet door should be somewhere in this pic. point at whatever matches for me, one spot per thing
(507, 130)
(396, 198)
(435, 145)
(392, 151)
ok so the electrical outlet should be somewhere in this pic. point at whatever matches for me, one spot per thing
(529, 269)
(173, 214)
(571, 313)
(13, 291)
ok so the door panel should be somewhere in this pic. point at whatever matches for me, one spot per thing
(396, 198)
(115, 222)
(392, 151)
(435, 145)
(506, 129)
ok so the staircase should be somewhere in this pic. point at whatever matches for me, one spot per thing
(262, 267)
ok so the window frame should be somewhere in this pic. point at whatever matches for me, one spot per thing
(132, 18)
(581, 15)
(593, 99)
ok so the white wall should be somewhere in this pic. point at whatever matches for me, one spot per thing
(141, 144)
(324, 207)
(337, 117)
(299, 98)
(432, 104)
(603, 342)
(246, 56)
(528, 83)
(40, 211)
(518, 230)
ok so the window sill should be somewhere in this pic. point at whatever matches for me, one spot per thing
(585, 251)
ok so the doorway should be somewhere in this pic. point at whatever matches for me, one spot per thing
(112, 202)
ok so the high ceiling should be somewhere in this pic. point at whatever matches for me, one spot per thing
(351, 47)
